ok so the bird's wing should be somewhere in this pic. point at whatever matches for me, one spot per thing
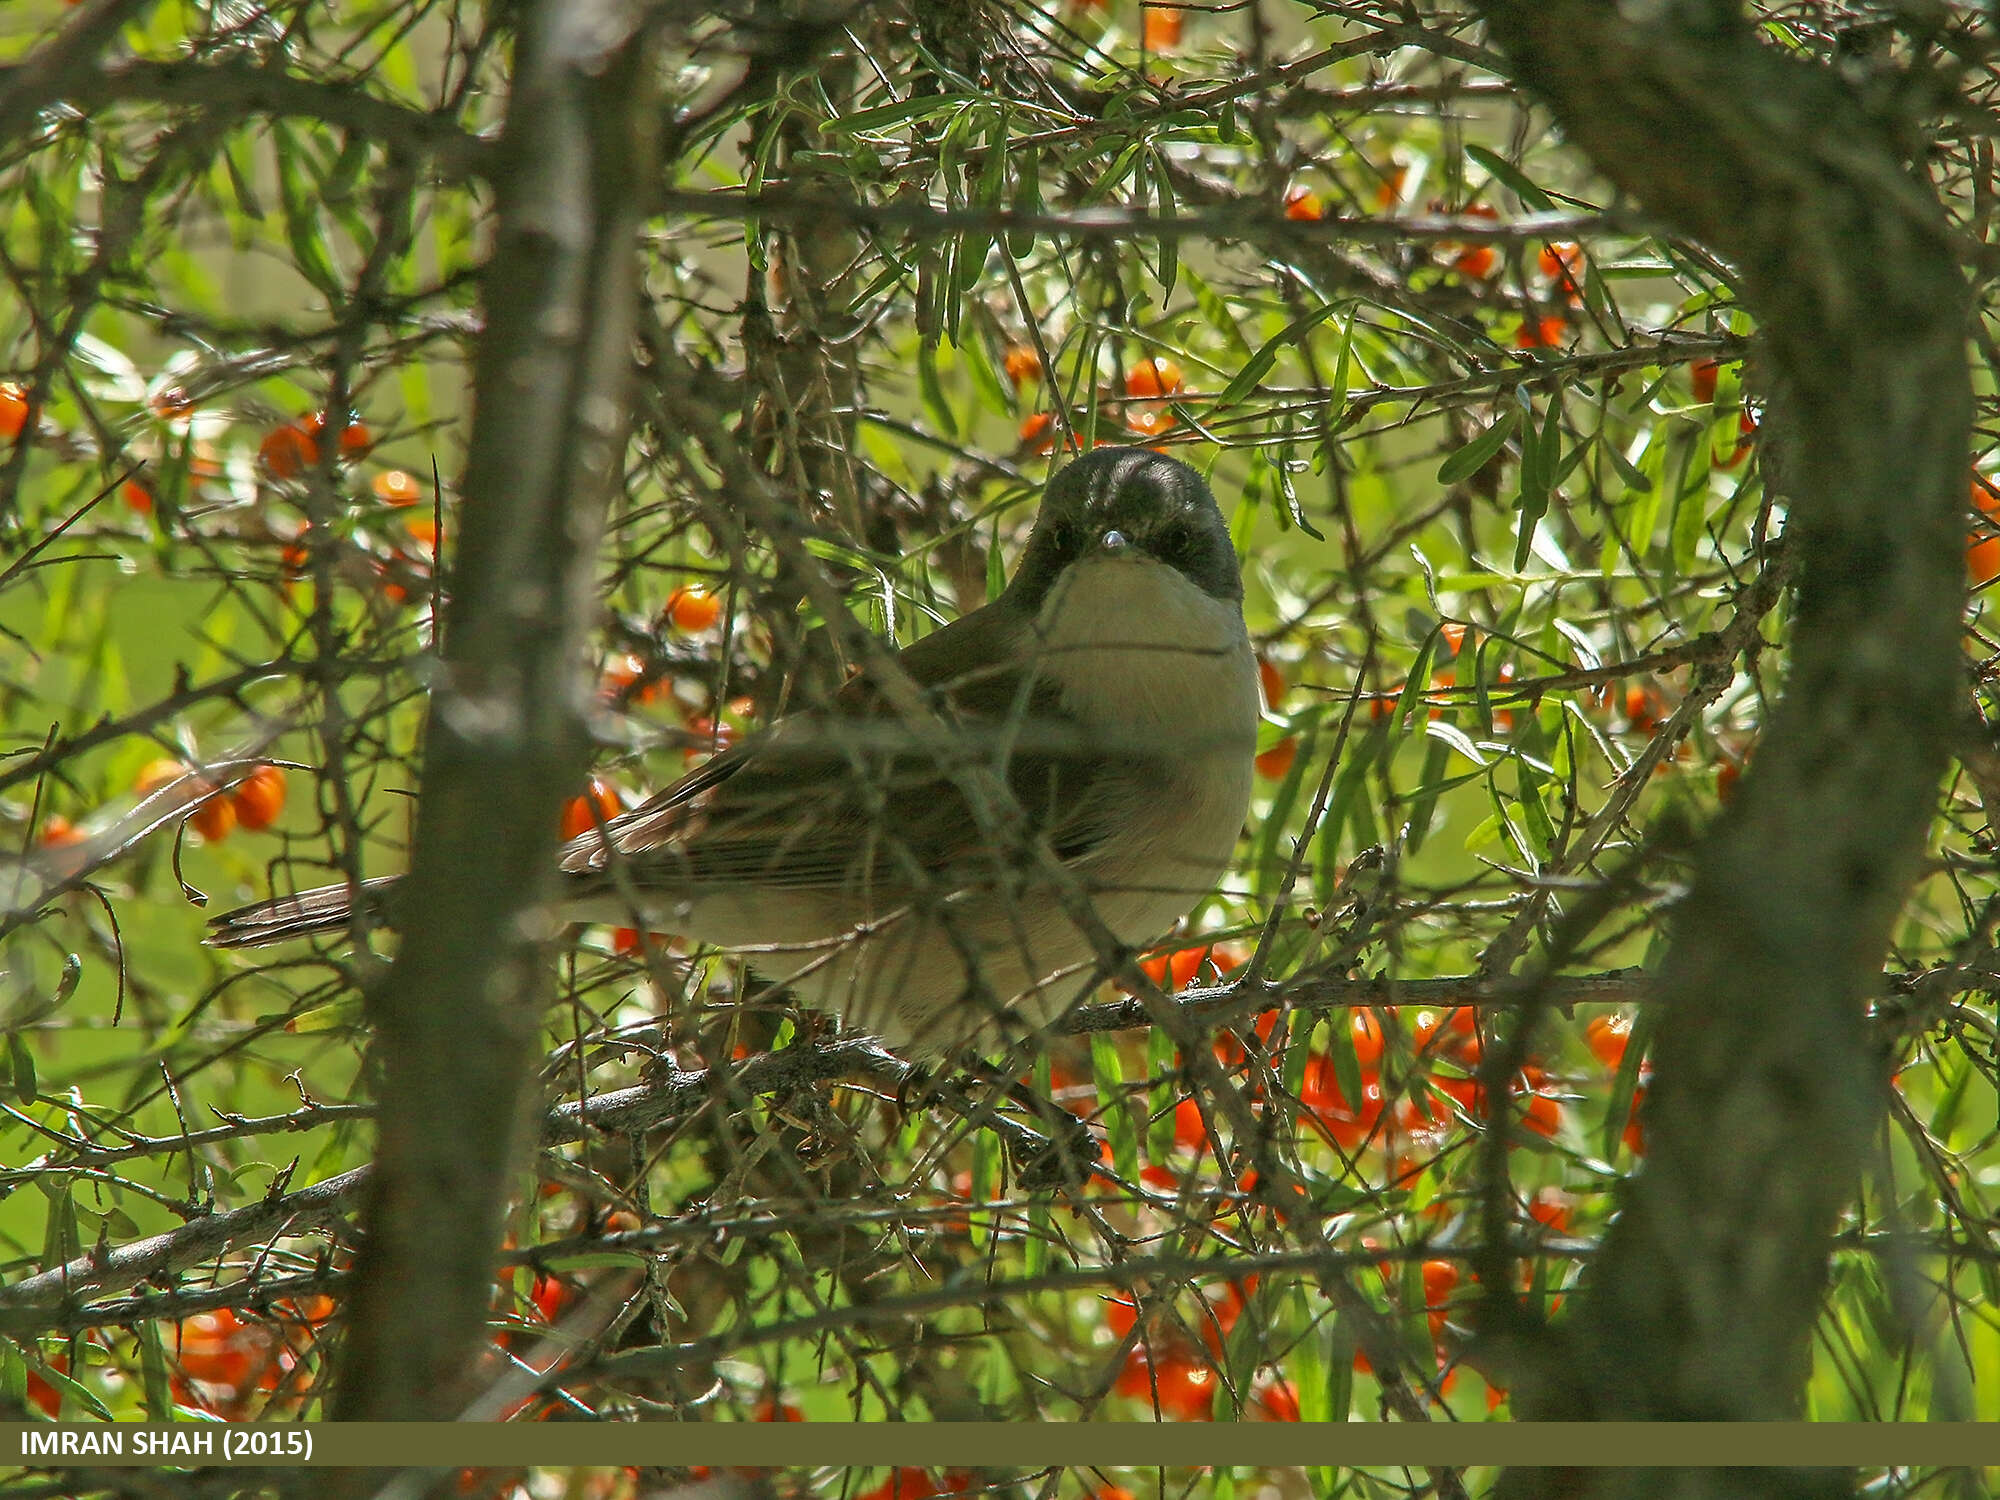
(850, 798)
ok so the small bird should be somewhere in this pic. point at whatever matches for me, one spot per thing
(1111, 686)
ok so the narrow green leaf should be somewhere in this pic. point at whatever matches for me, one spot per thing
(932, 390)
(1027, 197)
(1513, 177)
(1473, 457)
(1109, 1075)
(1259, 364)
(1216, 311)
(21, 1062)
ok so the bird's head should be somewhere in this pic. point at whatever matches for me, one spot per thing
(1129, 503)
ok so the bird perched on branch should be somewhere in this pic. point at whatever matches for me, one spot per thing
(1079, 785)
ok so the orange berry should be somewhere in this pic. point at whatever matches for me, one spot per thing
(620, 673)
(1503, 718)
(1038, 433)
(1272, 681)
(600, 802)
(423, 530)
(1644, 708)
(1608, 1037)
(1476, 261)
(1634, 1134)
(1701, 375)
(1174, 970)
(1731, 771)
(1274, 1401)
(1149, 423)
(156, 774)
(1366, 1032)
(58, 832)
(1543, 1114)
(1153, 377)
(1389, 192)
(1450, 1033)
(1541, 333)
(1454, 636)
(1189, 1131)
(217, 1347)
(1182, 1384)
(397, 487)
(1560, 263)
(1985, 498)
(1746, 432)
(214, 817)
(355, 440)
(1162, 27)
(259, 797)
(1276, 763)
(692, 610)
(706, 738)
(138, 499)
(625, 941)
(288, 451)
(549, 1296)
(1302, 203)
(1022, 365)
(13, 410)
(1440, 1278)
(770, 1409)
(1320, 1092)
(1551, 1209)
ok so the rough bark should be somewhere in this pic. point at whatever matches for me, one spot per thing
(1767, 1088)
(457, 1016)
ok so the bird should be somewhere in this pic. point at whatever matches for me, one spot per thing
(1111, 687)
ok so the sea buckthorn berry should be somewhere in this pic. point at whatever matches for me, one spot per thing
(1276, 763)
(1153, 377)
(1303, 204)
(397, 487)
(692, 610)
(1608, 1037)
(600, 802)
(13, 409)
(1162, 26)
(288, 451)
(1548, 332)
(214, 818)
(1022, 365)
(1475, 261)
(58, 832)
(138, 499)
(1272, 681)
(259, 797)
(1038, 433)
(1702, 375)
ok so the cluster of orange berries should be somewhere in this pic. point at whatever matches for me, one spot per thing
(1176, 1377)
(1453, 636)
(1149, 386)
(222, 1361)
(290, 449)
(253, 803)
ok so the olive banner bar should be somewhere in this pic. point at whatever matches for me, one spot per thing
(1008, 1446)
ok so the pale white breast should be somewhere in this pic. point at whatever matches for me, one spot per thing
(1142, 658)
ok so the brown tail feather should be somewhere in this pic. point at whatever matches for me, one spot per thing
(326, 909)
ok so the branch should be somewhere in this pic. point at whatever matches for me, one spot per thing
(62, 63)
(1767, 1087)
(246, 88)
(458, 1014)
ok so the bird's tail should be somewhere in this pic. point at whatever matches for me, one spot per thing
(327, 909)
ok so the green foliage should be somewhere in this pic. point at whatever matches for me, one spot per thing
(1490, 530)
